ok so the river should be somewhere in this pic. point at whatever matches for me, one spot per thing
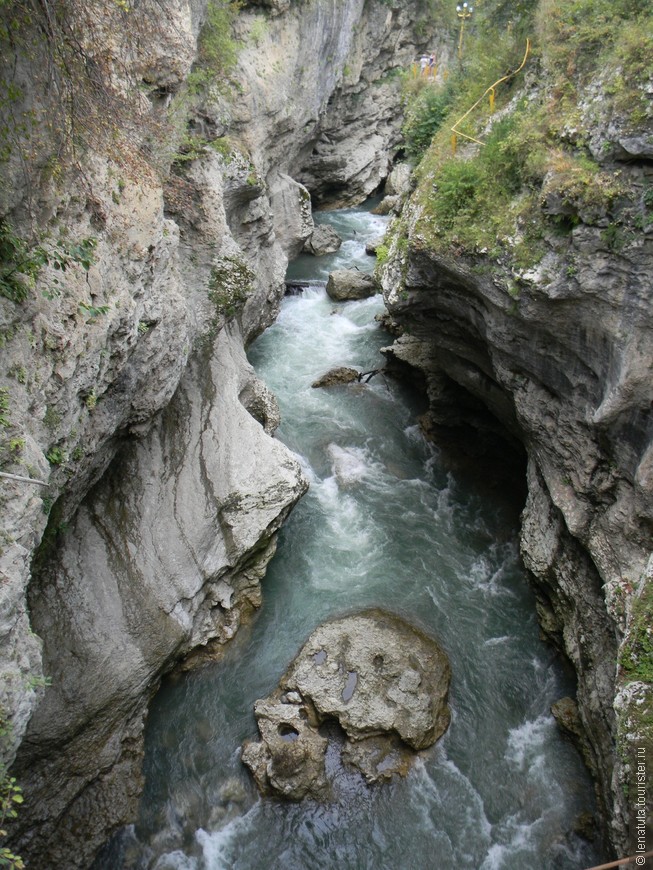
(385, 523)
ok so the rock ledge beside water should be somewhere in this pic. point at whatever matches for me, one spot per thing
(383, 681)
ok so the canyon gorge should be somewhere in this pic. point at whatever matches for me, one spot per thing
(162, 162)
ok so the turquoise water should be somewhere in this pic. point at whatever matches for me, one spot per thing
(385, 524)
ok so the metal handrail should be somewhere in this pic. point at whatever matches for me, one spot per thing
(22, 479)
(456, 132)
(623, 861)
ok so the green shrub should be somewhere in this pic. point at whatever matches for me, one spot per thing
(55, 456)
(424, 117)
(636, 657)
(21, 264)
(382, 252)
(217, 50)
(223, 147)
(456, 192)
(11, 797)
(577, 33)
(4, 407)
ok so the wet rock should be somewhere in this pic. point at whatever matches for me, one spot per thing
(378, 758)
(338, 375)
(290, 758)
(324, 240)
(383, 681)
(565, 712)
(388, 322)
(585, 826)
(567, 715)
(386, 205)
(372, 246)
(232, 791)
(296, 288)
(348, 284)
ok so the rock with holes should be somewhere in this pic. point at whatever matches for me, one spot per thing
(384, 682)
(289, 760)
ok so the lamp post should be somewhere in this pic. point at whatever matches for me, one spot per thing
(464, 12)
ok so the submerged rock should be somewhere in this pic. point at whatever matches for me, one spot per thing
(324, 240)
(347, 284)
(383, 681)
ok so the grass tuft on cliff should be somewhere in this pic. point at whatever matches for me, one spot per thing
(636, 655)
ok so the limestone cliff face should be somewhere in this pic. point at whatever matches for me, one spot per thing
(561, 356)
(128, 390)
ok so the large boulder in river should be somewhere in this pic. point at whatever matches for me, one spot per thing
(382, 680)
(323, 240)
(347, 284)
(375, 673)
(338, 375)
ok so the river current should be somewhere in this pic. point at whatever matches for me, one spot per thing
(385, 523)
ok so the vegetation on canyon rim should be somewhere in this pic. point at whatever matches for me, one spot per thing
(11, 797)
(490, 197)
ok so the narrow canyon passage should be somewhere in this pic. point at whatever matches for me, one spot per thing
(385, 523)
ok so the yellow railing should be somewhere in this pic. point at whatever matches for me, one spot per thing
(455, 132)
(426, 73)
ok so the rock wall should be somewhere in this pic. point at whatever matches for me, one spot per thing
(562, 362)
(128, 390)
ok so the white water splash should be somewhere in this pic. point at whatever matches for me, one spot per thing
(217, 846)
(176, 861)
(527, 742)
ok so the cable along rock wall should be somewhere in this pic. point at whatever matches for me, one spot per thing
(560, 355)
(128, 388)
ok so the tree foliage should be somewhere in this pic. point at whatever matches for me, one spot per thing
(21, 263)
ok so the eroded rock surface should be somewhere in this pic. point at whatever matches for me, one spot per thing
(383, 681)
(129, 389)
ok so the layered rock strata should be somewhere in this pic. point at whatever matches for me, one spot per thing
(562, 366)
